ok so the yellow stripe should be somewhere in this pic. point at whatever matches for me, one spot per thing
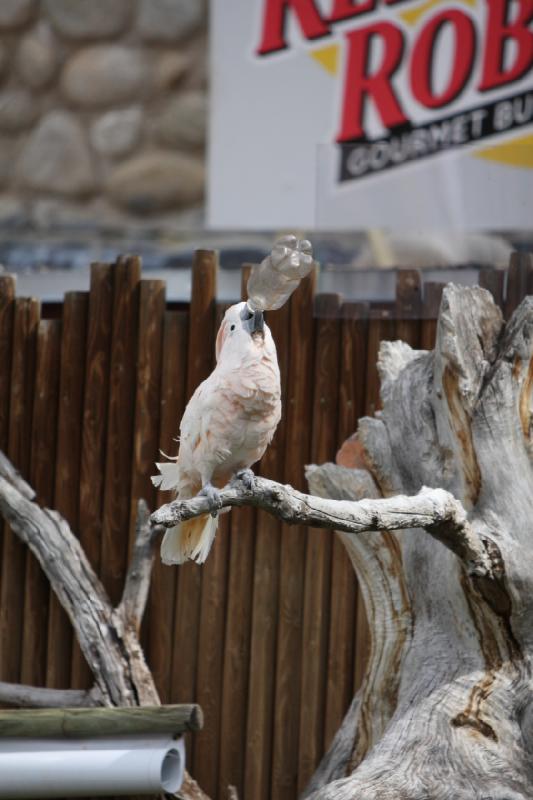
(327, 57)
(517, 153)
(414, 14)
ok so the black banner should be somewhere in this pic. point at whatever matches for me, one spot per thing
(363, 158)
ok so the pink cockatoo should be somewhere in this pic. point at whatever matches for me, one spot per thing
(227, 426)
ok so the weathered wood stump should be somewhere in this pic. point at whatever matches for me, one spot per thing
(446, 708)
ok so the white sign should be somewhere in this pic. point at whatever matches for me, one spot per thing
(343, 114)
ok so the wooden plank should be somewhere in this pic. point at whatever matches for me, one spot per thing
(43, 456)
(430, 313)
(408, 306)
(200, 360)
(493, 280)
(7, 306)
(211, 648)
(208, 745)
(148, 391)
(94, 431)
(163, 585)
(120, 416)
(146, 415)
(380, 328)
(342, 631)
(236, 650)
(67, 473)
(518, 280)
(353, 367)
(71, 723)
(26, 319)
(293, 546)
(261, 691)
(318, 564)
(237, 639)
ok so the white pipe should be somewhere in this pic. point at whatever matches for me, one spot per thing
(90, 767)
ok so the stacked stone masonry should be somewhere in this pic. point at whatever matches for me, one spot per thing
(103, 108)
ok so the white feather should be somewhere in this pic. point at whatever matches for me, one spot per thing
(169, 477)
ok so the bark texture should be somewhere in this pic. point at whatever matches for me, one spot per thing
(446, 708)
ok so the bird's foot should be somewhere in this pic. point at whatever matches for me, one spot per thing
(213, 497)
(247, 477)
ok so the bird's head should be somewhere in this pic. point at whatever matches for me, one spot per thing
(242, 329)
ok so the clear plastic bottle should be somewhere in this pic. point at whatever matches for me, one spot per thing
(272, 282)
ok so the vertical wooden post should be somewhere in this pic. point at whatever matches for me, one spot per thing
(430, 312)
(408, 306)
(68, 462)
(318, 562)
(94, 433)
(238, 635)
(120, 417)
(493, 280)
(25, 322)
(208, 746)
(518, 280)
(164, 578)
(261, 689)
(43, 456)
(148, 391)
(7, 306)
(293, 546)
(201, 351)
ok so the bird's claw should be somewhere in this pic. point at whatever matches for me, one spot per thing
(213, 498)
(247, 477)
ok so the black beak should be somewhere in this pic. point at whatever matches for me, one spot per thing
(253, 321)
(258, 322)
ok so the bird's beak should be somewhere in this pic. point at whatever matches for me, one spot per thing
(258, 323)
(253, 321)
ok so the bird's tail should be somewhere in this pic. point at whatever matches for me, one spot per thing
(191, 539)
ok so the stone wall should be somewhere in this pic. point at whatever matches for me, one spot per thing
(102, 113)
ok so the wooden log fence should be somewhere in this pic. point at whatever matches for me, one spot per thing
(269, 636)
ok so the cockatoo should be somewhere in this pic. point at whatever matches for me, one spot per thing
(227, 426)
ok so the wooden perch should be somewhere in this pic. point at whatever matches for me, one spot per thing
(70, 723)
(434, 510)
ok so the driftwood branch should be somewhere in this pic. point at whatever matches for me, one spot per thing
(17, 694)
(107, 636)
(433, 510)
(137, 583)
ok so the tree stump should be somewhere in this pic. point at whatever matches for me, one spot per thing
(445, 711)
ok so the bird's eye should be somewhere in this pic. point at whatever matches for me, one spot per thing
(232, 328)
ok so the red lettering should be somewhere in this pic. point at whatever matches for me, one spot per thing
(421, 67)
(275, 18)
(345, 9)
(359, 85)
(500, 32)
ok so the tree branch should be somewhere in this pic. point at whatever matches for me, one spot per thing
(121, 676)
(434, 510)
(17, 694)
(137, 583)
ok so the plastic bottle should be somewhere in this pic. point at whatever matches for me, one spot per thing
(272, 282)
